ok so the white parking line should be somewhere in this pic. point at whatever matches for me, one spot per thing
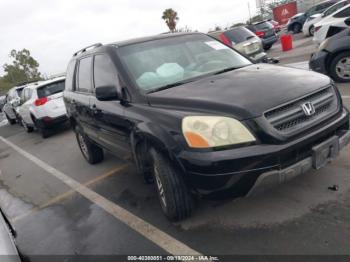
(157, 236)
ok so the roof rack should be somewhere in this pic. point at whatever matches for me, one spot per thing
(84, 49)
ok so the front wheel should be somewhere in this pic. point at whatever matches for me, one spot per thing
(174, 197)
(296, 28)
(91, 152)
(340, 67)
(312, 30)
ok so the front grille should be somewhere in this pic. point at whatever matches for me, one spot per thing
(290, 118)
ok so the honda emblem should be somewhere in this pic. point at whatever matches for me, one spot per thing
(308, 109)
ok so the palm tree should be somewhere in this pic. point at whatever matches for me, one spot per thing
(170, 17)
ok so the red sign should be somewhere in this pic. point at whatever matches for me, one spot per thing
(282, 13)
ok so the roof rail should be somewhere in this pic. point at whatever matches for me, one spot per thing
(84, 49)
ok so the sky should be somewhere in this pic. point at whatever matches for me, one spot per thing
(54, 30)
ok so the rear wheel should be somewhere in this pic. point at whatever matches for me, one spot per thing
(340, 67)
(11, 121)
(27, 128)
(267, 47)
(91, 152)
(44, 132)
(174, 197)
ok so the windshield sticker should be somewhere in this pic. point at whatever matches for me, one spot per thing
(216, 45)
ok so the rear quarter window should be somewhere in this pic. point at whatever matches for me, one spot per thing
(70, 75)
(344, 13)
(51, 89)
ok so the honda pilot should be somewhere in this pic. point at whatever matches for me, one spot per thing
(200, 119)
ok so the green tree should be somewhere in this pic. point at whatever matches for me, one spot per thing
(22, 68)
(170, 17)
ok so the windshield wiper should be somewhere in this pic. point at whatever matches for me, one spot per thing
(227, 70)
(168, 86)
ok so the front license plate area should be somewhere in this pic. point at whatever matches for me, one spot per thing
(324, 152)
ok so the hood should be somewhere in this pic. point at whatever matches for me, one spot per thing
(243, 93)
(297, 15)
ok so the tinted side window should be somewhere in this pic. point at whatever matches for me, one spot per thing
(70, 75)
(104, 72)
(343, 13)
(84, 75)
(51, 89)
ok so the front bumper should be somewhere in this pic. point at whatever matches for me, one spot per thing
(234, 172)
(318, 62)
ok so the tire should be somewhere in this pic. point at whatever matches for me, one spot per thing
(267, 47)
(342, 59)
(174, 197)
(91, 152)
(45, 133)
(11, 121)
(27, 128)
(296, 28)
(312, 30)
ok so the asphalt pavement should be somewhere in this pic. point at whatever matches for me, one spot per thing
(61, 205)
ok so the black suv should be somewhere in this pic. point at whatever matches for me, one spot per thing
(201, 119)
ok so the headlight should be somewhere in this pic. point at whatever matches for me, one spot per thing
(214, 131)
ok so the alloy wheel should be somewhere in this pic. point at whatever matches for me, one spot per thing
(160, 187)
(83, 146)
(342, 68)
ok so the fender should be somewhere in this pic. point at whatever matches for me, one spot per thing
(157, 137)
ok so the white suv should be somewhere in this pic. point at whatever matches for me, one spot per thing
(42, 106)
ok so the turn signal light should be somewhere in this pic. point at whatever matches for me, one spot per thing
(41, 101)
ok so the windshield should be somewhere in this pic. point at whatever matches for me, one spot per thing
(334, 8)
(164, 62)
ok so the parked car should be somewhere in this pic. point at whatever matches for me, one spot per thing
(200, 118)
(333, 57)
(296, 22)
(2, 102)
(243, 40)
(275, 25)
(309, 28)
(12, 101)
(332, 24)
(42, 106)
(8, 248)
(266, 32)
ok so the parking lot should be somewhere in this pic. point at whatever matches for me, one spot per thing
(59, 204)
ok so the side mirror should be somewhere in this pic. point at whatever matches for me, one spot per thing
(106, 93)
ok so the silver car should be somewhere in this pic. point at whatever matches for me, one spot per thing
(243, 40)
(12, 101)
